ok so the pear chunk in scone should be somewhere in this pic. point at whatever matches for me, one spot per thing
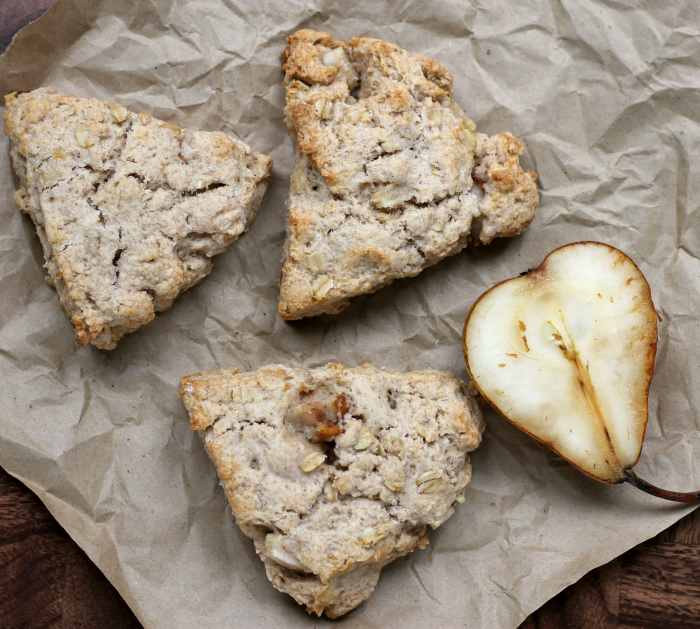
(335, 472)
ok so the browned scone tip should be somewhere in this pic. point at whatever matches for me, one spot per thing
(129, 209)
(390, 176)
(335, 472)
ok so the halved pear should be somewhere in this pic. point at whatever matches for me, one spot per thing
(566, 353)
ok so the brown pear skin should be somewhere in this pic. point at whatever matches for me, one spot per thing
(566, 353)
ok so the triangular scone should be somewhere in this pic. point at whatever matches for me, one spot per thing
(129, 209)
(383, 181)
(335, 472)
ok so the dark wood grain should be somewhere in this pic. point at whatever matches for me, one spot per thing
(661, 582)
(591, 603)
(653, 586)
(47, 581)
(16, 14)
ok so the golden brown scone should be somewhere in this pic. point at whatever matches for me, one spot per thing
(383, 186)
(129, 209)
(335, 472)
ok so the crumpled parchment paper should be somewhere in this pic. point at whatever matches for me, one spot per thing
(606, 99)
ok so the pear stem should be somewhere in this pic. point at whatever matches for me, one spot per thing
(639, 483)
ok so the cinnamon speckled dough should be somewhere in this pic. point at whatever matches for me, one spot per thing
(129, 209)
(390, 177)
(335, 472)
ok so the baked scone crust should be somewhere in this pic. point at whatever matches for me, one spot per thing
(391, 459)
(383, 185)
(129, 209)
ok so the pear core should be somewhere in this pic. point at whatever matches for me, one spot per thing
(566, 353)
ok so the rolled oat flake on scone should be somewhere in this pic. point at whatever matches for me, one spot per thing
(129, 209)
(335, 472)
(390, 174)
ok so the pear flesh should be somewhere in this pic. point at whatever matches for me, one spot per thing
(566, 353)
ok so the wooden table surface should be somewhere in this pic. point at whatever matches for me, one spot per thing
(46, 580)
